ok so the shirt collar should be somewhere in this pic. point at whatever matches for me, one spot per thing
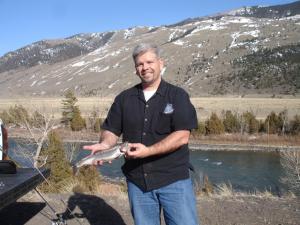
(162, 88)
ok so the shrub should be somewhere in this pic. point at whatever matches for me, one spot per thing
(273, 123)
(295, 125)
(97, 125)
(88, 179)
(94, 121)
(283, 115)
(251, 124)
(214, 125)
(37, 119)
(200, 129)
(60, 169)
(5, 117)
(231, 122)
(262, 127)
(77, 122)
(18, 114)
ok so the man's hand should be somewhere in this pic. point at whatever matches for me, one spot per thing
(169, 144)
(96, 148)
(137, 150)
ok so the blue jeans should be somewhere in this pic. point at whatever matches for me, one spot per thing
(177, 201)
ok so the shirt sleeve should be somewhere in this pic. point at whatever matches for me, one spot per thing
(184, 117)
(113, 121)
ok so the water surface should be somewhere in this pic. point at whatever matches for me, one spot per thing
(244, 170)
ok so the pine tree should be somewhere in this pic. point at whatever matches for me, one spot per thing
(60, 170)
(251, 123)
(77, 122)
(68, 107)
(231, 122)
(97, 125)
(295, 125)
(273, 123)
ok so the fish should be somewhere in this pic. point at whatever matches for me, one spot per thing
(105, 156)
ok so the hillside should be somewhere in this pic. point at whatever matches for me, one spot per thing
(247, 51)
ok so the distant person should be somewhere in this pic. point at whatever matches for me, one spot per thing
(3, 142)
(156, 118)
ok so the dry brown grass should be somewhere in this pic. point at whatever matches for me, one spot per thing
(261, 107)
(226, 190)
(104, 188)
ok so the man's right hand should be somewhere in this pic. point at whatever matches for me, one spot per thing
(96, 148)
(107, 140)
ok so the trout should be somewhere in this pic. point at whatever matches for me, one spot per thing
(104, 155)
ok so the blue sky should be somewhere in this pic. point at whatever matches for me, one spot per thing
(23, 22)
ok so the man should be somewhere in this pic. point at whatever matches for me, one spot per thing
(155, 117)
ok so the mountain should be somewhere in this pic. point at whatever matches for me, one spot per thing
(53, 51)
(252, 50)
(272, 12)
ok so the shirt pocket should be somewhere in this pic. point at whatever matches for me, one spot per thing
(164, 123)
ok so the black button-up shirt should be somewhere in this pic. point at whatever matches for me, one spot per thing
(168, 110)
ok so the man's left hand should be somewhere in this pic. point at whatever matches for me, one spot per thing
(137, 150)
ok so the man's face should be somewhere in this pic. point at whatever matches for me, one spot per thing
(148, 67)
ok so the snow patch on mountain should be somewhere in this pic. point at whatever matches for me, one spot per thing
(128, 33)
(238, 20)
(98, 69)
(179, 42)
(79, 64)
(113, 84)
(236, 35)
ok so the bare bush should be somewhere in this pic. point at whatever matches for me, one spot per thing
(38, 124)
(72, 148)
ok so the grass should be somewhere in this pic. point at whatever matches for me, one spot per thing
(226, 190)
(261, 107)
(104, 188)
(223, 190)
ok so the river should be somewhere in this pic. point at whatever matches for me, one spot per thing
(244, 170)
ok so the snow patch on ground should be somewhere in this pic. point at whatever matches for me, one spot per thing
(79, 64)
(98, 69)
(179, 42)
(236, 35)
(113, 84)
(33, 83)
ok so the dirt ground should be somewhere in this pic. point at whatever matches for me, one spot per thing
(114, 210)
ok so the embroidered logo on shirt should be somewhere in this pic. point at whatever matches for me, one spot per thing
(168, 109)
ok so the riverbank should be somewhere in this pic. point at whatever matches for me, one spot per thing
(244, 147)
(114, 210)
